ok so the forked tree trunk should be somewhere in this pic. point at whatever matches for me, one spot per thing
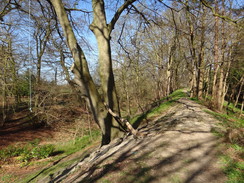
(83, 79)
(82, 76)
(102, 33)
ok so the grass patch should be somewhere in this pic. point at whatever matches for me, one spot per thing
(232, 157)
(228, 120)
(233, 169)
(232, 110)
(163, 104)
(77, 144)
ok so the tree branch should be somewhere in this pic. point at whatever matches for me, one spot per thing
(122, 121)
(75, 9)
(142, 15)
(226, 18)
(118, 13)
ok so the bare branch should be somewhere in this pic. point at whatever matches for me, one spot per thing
(226, 18)
(75, 9)
(142, 15)
(118, 13)
(122, 121)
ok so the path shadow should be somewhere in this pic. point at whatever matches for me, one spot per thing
(128, 162)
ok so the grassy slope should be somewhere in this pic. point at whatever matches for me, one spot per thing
(162, 105)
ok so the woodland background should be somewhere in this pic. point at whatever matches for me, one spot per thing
(157, 47)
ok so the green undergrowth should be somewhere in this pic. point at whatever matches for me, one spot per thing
(77, 144)
(28, 155)
(27, 152)
(227, 119)
(162, 105)
(64, 150)
(233, 169)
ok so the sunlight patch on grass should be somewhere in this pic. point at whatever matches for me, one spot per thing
(227, 119)
(77, 144)
(233, 169)
(165, 104)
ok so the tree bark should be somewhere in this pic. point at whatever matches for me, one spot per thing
(201, 65)
(239, 92)
(216, 62)
(169, 69)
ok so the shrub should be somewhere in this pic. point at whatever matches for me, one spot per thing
(41, 152)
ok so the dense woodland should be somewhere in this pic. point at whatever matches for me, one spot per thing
(118, 57)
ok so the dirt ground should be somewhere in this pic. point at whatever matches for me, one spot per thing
(177, 147)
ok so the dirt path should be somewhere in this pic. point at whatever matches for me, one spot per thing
(179, 148)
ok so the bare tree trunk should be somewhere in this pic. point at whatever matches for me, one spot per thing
(191, 41)
(207, 80)
(67, 76)
(220, 92)
(13, 71)
(3, 102)
(239, 92)
(56, 76)
(193, 83)
(41, 43)
(4, 97)
(201, 59)
(216, 61)
(242, 104)
(125, 86)
(169, 70)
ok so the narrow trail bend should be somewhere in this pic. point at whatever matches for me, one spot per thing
(179, 148)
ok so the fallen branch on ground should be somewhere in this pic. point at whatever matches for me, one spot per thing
(122, 121)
